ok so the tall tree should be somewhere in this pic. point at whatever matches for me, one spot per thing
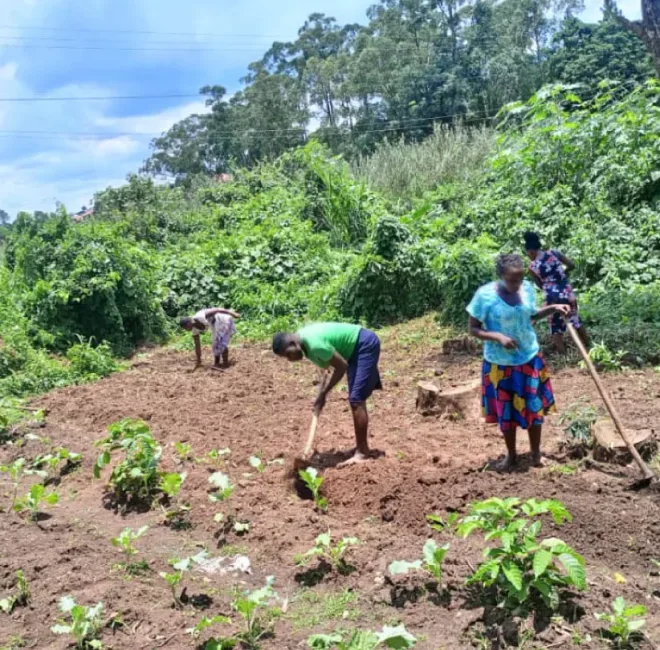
(648, 28)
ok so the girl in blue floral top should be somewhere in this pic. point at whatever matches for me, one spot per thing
(516, 388)
(548, 270)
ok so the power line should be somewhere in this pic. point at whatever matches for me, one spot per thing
(129, 31)
(273, 133)
(98, 98)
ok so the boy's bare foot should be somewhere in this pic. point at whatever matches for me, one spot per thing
(357, 457)
(506, 464)
(539, 461)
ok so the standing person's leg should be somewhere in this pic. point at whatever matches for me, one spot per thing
(217, 350)
(363, 379)
(539, 401)
(497, 404)
(225, 358)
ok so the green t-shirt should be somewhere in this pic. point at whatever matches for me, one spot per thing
(321, 340)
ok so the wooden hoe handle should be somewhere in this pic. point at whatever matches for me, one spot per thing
(647, 473)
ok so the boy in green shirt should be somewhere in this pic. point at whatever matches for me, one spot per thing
(349, 349)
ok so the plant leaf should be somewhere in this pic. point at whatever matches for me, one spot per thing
(542, 559)
(513, 574)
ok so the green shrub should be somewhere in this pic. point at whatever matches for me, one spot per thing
(392, 280)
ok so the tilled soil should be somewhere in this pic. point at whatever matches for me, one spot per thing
(262, 406)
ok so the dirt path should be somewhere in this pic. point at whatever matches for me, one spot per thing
(262, 406)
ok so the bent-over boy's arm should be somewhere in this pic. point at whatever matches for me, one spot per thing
(339, 366)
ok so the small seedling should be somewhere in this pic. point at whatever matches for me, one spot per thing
(36, 497)
(436, 522)
(52, 460)
(221, 481)
(82, 623)
(434, 557)
(241, 527)
(389, 637)
(171, 484)
(204, 623)
(183, 450)
(181, 567)
(20, 597)
(257, 612)
(313, 481)
(125, 543)
(332, 554)
(16, 471)
(257, 463)
(625, 623)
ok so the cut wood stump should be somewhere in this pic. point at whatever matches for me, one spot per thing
(458, 402)
(610, 448)
(462, 345)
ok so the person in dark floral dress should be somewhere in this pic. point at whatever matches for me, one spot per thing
(549, 271)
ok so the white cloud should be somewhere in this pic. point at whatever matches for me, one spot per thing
(8, 71)
(593, 10)
(152, 124)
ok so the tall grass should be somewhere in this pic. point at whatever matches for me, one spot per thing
(403, 170)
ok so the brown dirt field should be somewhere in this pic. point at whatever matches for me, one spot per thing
(262, 405)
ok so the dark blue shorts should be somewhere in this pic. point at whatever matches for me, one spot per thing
(363, 375)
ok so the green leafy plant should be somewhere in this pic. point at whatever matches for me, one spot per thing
(171, 483)
(313, 481)
(52, 460)
(257, 463)
(205, 623)
(625, 623)
(124, 542)
(16, 471)
(20, 596)
(225, 489)
(577, 420)
(256, 609)
(333, 554)
(137, 476)
(522, 567)
(433, 558)
(183, 450)
(390, 637)
(176, 577)
(34, 499)
(605, 359)
(82, 623)
(436, 522)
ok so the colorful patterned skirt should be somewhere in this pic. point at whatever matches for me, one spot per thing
(516, 396)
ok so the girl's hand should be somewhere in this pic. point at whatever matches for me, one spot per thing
(507, 342)
(564, 310)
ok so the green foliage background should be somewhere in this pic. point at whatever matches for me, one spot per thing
(302, 238)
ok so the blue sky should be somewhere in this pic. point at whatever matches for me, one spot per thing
(133, 56)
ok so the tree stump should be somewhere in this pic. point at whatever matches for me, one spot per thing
(462, 345)
(610, 448)
(457, 402)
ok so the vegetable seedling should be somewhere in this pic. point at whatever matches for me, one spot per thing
(183, 450)
(625, 623)
(171, 484)
(390, 637)
(82, 623)
(20, 597)
(255, 608)
(257, 463)
(313, 481)
(331, 553)
(52, 460)
(16, 471)
(436, 522)
(34, 499)
(204, 623)
(181, 567)
(124, 542)
(433, 558)
(225, 489)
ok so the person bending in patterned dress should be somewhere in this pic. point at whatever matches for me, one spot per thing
(548, 270)
(221, 324)
(516, 389)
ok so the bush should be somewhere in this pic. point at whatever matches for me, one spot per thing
(89, 363)
(392, 280)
